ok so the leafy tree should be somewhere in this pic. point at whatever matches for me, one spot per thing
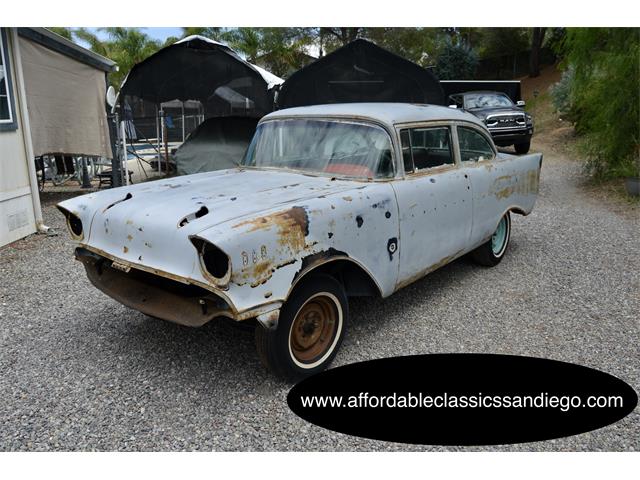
(247, 41)
(605, 98)
(332, 38)
(62, 31)
(213, 33)
(286, 50)
(497, 42)
(125, 46)
(537, 39)
(561, 93)
(420, 45)
(470, 36)
(456, 61)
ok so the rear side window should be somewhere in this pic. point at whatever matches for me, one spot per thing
(424, 148)
(474, 146)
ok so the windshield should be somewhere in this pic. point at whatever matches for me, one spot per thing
(482, 100)
(322, 146)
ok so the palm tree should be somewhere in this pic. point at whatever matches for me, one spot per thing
(125, 46)
(62, 31)
(209, 32)
(245, 40)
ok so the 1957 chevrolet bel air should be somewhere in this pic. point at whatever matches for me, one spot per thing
(329, 201)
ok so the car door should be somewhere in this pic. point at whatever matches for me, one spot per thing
(498, 182)
(434, 201)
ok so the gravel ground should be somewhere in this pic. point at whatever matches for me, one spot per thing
(82, 372)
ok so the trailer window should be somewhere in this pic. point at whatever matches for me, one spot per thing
(7, 113)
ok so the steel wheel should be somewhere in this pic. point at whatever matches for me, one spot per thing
(498, 240)
(315, 329)
(310, 329)
(491, 252)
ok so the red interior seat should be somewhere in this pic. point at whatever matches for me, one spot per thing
(349, 170)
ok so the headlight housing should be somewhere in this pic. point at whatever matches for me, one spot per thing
(492, 122)
(74, 224)
(528, 118)
(214, 263)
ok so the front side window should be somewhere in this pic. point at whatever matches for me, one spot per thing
(332, 147)
(6, 101)
(429, 147)
(474, 147)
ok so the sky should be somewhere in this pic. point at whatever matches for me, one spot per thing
(157, 33)
(161, 33)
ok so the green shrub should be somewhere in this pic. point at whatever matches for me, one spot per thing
(456, 62)
(561, 93)
(604, 97)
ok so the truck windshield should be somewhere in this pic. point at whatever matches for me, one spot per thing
(482, 100)
(329, 147)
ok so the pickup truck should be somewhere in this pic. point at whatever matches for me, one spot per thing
(507, 122)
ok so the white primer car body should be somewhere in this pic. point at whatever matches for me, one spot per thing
(143, 244)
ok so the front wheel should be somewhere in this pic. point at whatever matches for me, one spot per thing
(310, 329)
(522, 148)
(491, 252)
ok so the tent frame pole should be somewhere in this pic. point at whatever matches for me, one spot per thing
(124, 164)
(158, 138)
(183, 129)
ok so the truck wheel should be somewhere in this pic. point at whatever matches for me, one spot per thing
(309, 332)
(522, 148)
(491, 252)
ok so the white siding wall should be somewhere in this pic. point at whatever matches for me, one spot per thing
(17, 217)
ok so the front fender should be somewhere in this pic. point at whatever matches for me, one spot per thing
(269, 251)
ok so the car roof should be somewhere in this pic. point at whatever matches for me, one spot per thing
(389, 114)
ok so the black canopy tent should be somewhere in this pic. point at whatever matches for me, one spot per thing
(197, 68)
(200, 69)
(217, 143)
(360, 72)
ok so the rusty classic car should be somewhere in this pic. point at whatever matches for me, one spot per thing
(329, 202)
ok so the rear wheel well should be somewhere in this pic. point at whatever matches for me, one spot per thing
(517, 210)
(357, 282)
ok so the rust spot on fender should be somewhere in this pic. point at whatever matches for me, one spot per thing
(259, 273)
(292, 226)
(525, 184)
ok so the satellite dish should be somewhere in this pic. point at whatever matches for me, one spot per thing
(111, 96)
